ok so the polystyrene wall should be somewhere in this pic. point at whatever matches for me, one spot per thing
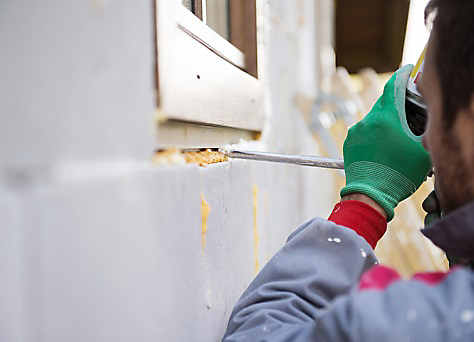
(98, 244)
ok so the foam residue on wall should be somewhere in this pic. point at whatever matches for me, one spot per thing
(205, 157)
(205, 210)
(168, 157)
(265, 205)
(255, 227)
(175, 156)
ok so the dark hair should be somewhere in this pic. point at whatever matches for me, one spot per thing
(454, 27)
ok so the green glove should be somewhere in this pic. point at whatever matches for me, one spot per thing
(383, 159)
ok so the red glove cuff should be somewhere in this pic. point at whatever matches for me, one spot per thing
(362, 218)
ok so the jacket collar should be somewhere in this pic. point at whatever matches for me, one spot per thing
(454, 233)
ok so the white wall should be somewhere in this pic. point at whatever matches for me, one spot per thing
(76, 81)
(98, 244)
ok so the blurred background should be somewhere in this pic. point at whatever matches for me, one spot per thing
(120, 219)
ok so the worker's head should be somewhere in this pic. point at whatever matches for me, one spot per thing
(447, 85)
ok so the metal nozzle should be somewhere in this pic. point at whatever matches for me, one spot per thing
(330, 163)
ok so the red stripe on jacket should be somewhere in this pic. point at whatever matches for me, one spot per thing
(371, 225)
(380, 277)
(362, 218)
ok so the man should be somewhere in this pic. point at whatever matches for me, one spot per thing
(325, 284)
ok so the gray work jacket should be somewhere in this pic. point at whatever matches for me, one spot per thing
(309, 291)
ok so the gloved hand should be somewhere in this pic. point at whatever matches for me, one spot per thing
(382, 158)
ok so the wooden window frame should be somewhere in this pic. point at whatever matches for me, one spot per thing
(242, 35)
(202, 85)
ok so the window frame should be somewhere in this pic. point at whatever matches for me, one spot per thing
(201, 82)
